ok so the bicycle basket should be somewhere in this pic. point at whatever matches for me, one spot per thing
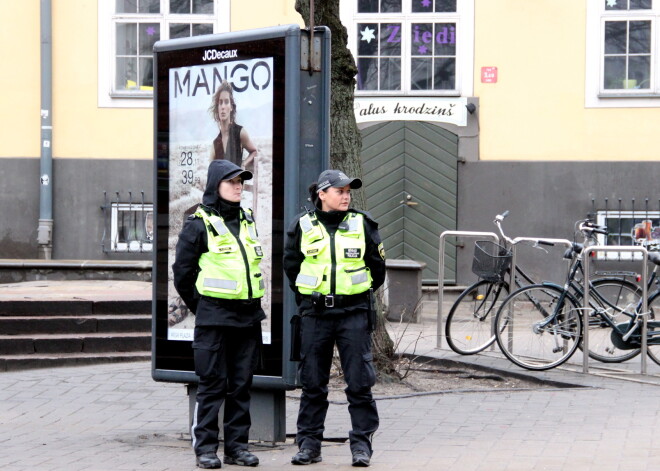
(490, 261)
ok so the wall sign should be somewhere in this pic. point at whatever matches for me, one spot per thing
(489, 75)
(430, 109)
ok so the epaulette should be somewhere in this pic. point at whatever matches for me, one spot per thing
(248, 216)
(306, 222)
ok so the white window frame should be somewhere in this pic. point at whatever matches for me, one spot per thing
(134, 246)
(637, 215)
(464, 19)
(107, 97)
(595, 95)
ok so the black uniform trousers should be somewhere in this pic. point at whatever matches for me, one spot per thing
(225, 359)
(350, 331)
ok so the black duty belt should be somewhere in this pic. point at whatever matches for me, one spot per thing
(233, 303)
(337, 300)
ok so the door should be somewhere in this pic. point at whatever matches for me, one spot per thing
(410, 176)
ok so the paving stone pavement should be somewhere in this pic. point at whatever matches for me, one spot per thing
(115, 417)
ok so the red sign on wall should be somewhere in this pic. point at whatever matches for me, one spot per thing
(489, 75)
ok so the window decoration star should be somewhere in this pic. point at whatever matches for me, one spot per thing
(367, 34)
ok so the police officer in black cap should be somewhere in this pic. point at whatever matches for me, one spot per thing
(216, 272)
(334, 259)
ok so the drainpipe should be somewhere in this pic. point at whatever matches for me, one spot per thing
(45, 229)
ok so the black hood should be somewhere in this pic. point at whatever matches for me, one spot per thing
(220, 170)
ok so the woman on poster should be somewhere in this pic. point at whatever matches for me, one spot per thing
(216, 273)
(232, 138)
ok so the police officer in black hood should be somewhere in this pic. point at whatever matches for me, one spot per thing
(216, 273)
(334, 259)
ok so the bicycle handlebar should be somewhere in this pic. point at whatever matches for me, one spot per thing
(498, 222)
(586, 226)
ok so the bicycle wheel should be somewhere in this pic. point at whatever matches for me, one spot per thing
(654, 349)
(469, 325)
(617, 300)
(537, 331)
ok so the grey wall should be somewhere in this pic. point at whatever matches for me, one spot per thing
(77, 199)
(545, 199)
(19, 208)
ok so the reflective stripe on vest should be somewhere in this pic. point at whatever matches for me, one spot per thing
(352, 224)
(219, 226)
(307, 280)
(306, 223)
(351, 274)
(222, 284)
(230, 268)
(359, 278)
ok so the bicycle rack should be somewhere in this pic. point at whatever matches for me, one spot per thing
(514, 251)
(585, 303)
(441, 271)
(495, 238)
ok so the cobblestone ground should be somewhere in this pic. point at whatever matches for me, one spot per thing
(114, 417)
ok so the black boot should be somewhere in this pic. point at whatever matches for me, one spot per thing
(361, 458)
(208, 461)
(242, 458)
(306, 456)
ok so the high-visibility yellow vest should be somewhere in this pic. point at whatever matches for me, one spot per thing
(333, 264)
(230, 268)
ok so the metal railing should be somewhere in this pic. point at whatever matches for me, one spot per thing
(441, 271)
(481, 235)
(585, 303)
(586, 264)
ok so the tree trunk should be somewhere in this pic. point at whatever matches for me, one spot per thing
(346, 142)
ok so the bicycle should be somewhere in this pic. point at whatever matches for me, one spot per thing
(468, 327)
(469, 324)
(539, 327)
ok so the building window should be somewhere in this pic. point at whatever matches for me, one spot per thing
(379, 56)
(622, 57)
(128, 30)
(132, 227)
(140, 23)
(416, 47)
(629, 228)
(627, 46)
(433, 56)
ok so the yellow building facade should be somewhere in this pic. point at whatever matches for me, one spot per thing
(563, 96)
(82, 126)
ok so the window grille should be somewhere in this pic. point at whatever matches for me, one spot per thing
(628, 223)
(128, 225)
